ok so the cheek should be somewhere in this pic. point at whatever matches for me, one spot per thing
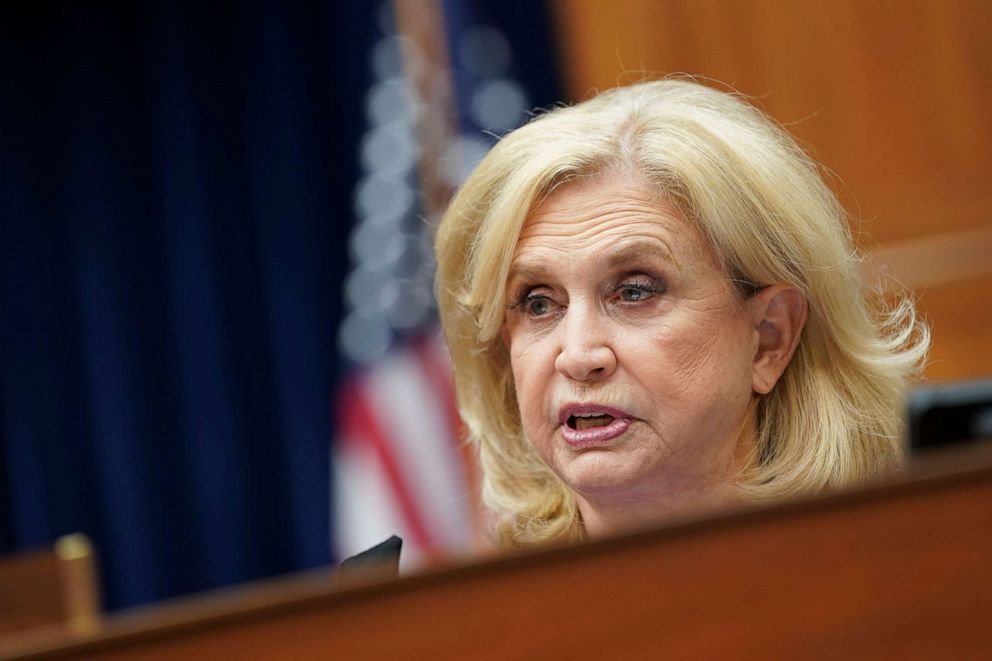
(699, 358)
(530, 384)
(723, 369)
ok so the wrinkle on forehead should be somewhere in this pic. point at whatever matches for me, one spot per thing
(607, 211)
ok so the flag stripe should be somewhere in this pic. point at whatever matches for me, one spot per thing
(436, 364)
(361, 422)
(365, 507)
(412, 417)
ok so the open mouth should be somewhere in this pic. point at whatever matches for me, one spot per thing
(589, 421)
(586, 425)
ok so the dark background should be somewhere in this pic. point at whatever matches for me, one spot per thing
(176, 197)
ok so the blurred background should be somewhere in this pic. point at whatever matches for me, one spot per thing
(219, 359)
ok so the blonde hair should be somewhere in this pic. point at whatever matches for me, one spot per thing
(835, 415)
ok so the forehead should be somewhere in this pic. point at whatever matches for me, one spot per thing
(609, 212)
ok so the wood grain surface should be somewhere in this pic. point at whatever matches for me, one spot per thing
(897, 570)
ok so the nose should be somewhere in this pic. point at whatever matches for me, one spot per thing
(585, 353)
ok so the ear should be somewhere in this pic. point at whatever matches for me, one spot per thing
(779, 313)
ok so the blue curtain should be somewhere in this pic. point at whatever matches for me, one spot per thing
(175, 196)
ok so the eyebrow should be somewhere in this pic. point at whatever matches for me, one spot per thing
(628, 252)
(638, 248)
(524, 269)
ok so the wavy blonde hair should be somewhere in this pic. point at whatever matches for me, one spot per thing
(834, 417)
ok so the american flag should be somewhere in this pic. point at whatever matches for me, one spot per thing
(400, 462)
(401, 466)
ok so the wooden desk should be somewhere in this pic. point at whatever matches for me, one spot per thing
(898, 570)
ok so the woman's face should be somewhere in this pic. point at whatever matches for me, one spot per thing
(631, 352)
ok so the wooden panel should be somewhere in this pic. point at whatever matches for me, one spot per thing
(30, 591)
(951, 277)
(53, 586)
(960, 314)
(892, 571)
(50, 586)
(892, 96)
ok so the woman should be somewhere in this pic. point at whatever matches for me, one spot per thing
(653, 307)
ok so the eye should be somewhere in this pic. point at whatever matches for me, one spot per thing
(535, 302)
(537, 305)
(635, 292)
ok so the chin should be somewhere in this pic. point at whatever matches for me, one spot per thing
(602, 472)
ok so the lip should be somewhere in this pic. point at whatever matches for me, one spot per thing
(594, 435)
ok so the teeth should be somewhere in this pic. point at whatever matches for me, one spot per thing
(587, 422)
